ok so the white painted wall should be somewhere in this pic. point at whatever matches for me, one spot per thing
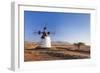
(5, 34)
(46, 43)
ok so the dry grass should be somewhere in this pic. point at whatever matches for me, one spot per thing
(34, 53)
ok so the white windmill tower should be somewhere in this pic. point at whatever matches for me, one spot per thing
(45, 38)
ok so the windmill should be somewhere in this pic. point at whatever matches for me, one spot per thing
(45, 38)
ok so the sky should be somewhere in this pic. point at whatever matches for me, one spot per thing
(69, 27)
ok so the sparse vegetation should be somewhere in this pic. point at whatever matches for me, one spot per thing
(79, 44)
(33, 52)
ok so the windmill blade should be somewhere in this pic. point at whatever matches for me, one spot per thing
(45, 26)
(39, 32)
(48, 33)
(35, 32)
(52, 33)
(42, 37)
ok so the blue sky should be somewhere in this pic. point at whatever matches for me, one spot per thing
(70, 27)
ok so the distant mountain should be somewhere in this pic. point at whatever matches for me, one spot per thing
(57, 43)
(62, 43)
(28, 42)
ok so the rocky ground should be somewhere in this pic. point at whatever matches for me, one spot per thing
(54, 53)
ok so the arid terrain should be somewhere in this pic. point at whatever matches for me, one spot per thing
(58, 51)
